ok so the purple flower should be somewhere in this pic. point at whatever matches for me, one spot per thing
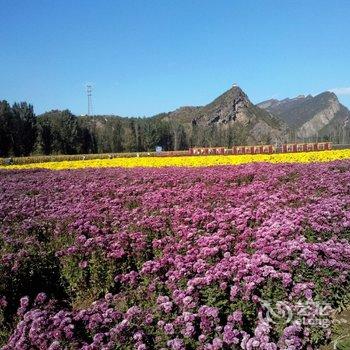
(24, 302)
(83, 264)
(169, 328)
(184, 245)
(40, 298)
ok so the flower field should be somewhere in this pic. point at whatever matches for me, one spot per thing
(172, 257)
(194, 161)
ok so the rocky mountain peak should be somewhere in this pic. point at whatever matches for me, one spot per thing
(233, 112)
(234, 96)
(226, 108)
(309, 116)
(327, 96)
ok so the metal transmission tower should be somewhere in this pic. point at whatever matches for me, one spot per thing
(89, 96)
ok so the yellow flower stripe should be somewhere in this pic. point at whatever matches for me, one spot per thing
(191, 161)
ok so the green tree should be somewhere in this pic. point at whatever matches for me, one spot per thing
(129, 137)
(44, 137)
(6, 137)
(24, 129)
(64, 131)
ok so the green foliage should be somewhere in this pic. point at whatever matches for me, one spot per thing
(38, 270)
(4, 328)
(6, 140)
(214, 296)
(343, 344)
(314, 237)
(58, 132)
(25, 130)
(249, 310)
(17, 129)
(87, 284)
(273, 291)
(102, 272)
(336, 294)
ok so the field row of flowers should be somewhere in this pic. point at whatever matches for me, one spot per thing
(171, 258)
(188, 161)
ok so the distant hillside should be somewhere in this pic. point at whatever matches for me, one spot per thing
(230, 119)
(232, 116)
(321, 116)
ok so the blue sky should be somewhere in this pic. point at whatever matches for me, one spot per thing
(146, 57)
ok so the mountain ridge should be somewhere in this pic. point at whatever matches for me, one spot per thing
(233, 110)
(310, 116)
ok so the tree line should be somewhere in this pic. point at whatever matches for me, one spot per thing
(18, 129)
(22, 133)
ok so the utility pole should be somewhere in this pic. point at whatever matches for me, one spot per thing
(89, 96)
